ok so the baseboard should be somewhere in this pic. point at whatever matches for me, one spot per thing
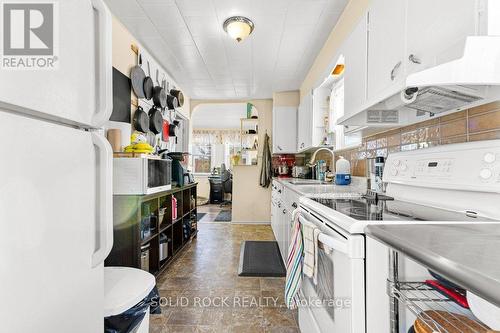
(252, 222)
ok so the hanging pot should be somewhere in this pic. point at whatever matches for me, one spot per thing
(173, 129)
(165, 130)
(179, 95)
(137, 77)
(172, 102)
(141, 120)
(155, 120)
(159, 95)
(148, 85)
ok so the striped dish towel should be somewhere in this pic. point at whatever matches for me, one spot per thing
(294, 264)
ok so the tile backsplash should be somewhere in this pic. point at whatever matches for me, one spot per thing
(480, 123)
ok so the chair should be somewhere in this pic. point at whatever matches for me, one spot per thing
(227, 187)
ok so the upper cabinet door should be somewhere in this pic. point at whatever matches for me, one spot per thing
(74, 36)
(437, 35)
(284, 130)
(305, 126)
(355, 51)
(386, 46)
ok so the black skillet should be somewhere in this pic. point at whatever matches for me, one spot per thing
(155, 120)
(137, 77)
(159, 95)
(148, 85)
(141, 120)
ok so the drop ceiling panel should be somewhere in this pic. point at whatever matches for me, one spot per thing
(187, 38)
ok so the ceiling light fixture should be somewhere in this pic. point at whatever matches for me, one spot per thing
(238, 27)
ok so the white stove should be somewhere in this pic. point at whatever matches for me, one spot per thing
(444, 184)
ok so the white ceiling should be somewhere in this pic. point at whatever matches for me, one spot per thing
(219, 116)
(187, 38)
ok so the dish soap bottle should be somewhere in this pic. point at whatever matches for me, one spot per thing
(343, 171)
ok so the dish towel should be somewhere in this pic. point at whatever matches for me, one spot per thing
(311, 233)
(266, 167)
(294, 264)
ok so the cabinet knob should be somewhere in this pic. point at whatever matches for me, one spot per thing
(414, 59)
(279, 191)
(394, 70)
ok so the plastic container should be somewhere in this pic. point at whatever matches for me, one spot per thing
(379, 173)
(342, 171)
(145, 257)
(163, 247)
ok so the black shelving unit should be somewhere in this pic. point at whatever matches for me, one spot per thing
(132, 212)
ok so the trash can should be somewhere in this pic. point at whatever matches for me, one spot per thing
(128, 296)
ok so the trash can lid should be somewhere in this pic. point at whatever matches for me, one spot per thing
(124, 287)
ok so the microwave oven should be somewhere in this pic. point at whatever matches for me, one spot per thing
(141, 175)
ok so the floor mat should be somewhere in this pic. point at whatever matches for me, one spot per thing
(261, 258)
(224, 216)
(199, 216)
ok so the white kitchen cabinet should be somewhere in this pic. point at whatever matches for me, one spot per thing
(305, 125)
(355, 52)
(386, 46)
(284, 130)
(438, 35)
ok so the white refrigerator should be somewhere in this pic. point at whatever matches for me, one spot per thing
(56, 177)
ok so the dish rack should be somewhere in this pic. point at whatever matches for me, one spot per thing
(418, 297)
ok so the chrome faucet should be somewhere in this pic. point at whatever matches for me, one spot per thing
(313, 157)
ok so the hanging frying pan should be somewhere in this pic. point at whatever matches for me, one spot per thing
(159, 94)
(165, 130)
(155, 120)
(179, 95)
(137, 77)
(148, 85)
(171, 102)
(141, 120)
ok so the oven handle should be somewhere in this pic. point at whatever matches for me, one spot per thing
(333, 243)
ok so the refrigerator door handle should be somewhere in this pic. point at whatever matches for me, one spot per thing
(104, 77)
(104, 224)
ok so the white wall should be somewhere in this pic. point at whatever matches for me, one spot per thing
(219, 116)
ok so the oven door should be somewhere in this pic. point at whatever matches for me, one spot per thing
(159, 175)
(337, 302)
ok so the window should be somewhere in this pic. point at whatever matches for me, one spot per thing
(201, 158)
(211, 148)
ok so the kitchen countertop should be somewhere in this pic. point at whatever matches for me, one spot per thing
(315, 188)
(467, 254)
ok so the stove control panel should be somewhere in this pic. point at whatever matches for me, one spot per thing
(465, 165)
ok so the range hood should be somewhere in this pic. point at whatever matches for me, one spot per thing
(471, 80)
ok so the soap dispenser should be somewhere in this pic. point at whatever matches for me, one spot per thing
(343, 171)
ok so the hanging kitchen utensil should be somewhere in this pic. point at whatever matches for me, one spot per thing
(159, 94)
(141, 120)
(137, 77)
(171, 102)
(155, 120)
(165, 130)
(173, 129)
(179, 95)
(148, 85)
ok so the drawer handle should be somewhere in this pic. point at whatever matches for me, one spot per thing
(284, 211)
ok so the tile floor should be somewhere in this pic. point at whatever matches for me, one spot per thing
(211, 212)
(202, 292)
